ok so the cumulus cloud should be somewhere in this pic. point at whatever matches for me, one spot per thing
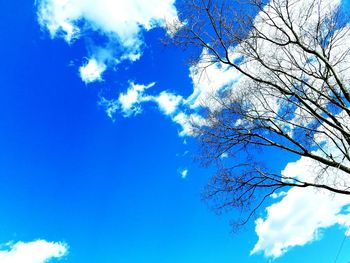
(168, 102)
(39, 251)
(92, 71)
(120, 22)
(301, 215)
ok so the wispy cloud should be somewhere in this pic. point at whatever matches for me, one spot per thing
(130, 100)
(130, 103)
(39, 251)
(184, 173)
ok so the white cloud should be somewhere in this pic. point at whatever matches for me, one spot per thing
(117, 19)
(278, 195)
(110, 107)
(184, 173)
(168, 102)
(208, 80)
(224, 155)
(120, 22)
(187, 122)
(300, 216)
(130, 101)
(39, 251)
(92, 71)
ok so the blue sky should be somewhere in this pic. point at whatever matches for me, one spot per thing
(85, 187)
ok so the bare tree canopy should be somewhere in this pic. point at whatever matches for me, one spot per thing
(292, 60)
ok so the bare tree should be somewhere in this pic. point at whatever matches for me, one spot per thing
(293, 58)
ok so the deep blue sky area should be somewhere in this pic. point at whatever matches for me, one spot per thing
(111, 190)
